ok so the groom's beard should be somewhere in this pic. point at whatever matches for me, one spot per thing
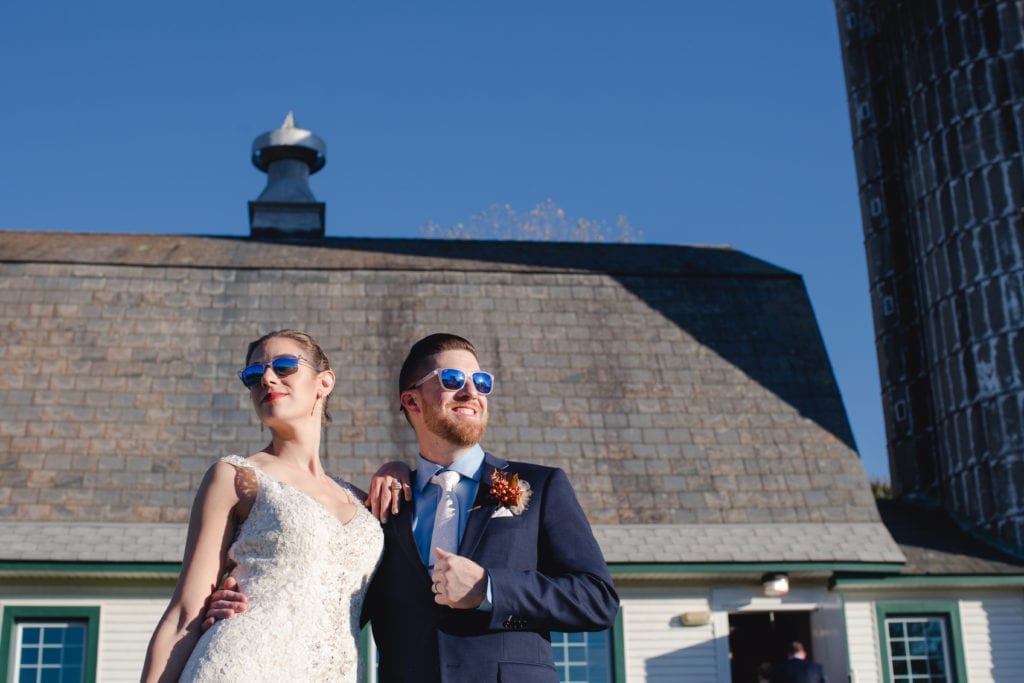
(459, 432)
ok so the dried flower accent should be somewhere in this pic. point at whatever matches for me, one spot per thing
(510, 492)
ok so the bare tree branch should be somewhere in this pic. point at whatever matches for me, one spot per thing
(546, 222)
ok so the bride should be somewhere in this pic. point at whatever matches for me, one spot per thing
(288, 532)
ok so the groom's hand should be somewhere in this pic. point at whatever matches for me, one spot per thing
(224, 603)
(387, 483)
(459, 582)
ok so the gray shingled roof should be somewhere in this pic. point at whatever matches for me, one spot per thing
(623, 544)
(685, 390)
(934, 544)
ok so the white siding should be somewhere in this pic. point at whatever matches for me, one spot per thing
(992, 622)
(125, 628)
(659, 649)
(862, 641)
(993, 628)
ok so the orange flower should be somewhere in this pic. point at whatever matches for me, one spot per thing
(510, 492)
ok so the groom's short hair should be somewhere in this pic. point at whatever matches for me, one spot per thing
(417, 361)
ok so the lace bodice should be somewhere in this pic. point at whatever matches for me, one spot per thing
(305, 574)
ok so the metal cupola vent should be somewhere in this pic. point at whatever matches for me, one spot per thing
(287, 207)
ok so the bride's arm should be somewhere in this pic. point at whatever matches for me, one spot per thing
(211, 528)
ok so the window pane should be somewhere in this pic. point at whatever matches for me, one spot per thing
(74, 636)
(29, 655)
(582, 657)
(50, 650)
(53, 636)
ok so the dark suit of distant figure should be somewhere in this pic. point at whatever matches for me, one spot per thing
(796, 670)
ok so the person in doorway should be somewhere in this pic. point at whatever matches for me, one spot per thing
(798, 668)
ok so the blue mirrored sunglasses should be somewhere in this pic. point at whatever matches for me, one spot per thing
(282, 367)
(453, 380)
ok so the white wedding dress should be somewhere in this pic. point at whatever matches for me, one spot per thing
(305, 574)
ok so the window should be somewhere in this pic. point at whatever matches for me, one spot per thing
(918, 649)
(920, 642)
(49, 644)
(583, 657)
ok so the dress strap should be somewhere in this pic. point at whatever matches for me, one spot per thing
(239, 461)
(247, 485)
(350, 489)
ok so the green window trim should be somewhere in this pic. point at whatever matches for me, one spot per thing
(946, 608)
(619, 649)
(13, 613)
(714, 568)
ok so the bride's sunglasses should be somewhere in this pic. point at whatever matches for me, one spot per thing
(282, 367)
(453, 380)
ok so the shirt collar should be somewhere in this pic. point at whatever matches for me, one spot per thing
(468, 465)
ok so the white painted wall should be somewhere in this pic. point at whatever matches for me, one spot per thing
(659, 649)
(862, 640)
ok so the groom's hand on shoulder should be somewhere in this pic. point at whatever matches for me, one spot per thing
(224, 603)
(388, 487)
(459, 582)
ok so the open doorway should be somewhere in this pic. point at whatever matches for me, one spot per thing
(758, 637)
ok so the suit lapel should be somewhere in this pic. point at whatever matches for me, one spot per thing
(483, 507)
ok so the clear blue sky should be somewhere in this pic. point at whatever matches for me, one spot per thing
(701, 122)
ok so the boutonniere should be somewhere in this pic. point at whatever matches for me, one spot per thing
(510, 492)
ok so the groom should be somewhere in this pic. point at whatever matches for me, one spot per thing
(523, 560)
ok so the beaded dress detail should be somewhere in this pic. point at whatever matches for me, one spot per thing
(305, 574)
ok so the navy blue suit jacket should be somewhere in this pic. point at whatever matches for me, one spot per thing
(547, 574)
(802, 671)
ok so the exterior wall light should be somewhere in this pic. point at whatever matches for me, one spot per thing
(775, 585)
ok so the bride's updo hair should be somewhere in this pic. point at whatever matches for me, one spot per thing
(311, 351)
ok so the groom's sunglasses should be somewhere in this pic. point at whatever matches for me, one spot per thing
(282, 367)
(453, 380)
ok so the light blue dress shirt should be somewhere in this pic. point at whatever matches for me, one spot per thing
(426, 496)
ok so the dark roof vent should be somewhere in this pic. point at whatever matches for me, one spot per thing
(287, 207)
